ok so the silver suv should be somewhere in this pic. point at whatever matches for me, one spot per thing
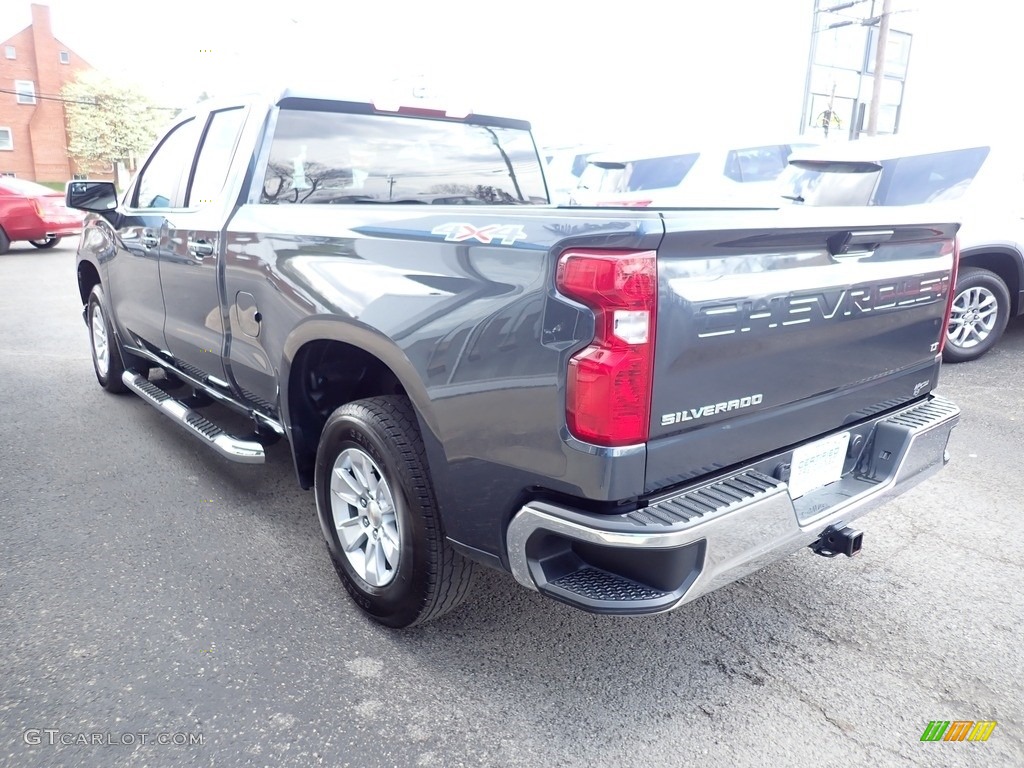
(705, 174)
(979, 183)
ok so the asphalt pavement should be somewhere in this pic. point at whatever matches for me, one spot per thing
(160, 606)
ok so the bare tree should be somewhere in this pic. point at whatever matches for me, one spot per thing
(279, 183)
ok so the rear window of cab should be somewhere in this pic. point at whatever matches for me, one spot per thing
(338, 157)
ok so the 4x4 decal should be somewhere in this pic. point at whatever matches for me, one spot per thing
(458, 232)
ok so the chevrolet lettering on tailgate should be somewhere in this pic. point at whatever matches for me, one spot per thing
(802, 308)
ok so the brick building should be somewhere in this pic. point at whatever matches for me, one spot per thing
(34, 67)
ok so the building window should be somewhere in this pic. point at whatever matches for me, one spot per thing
(80, 177)
(6, 139)
(10, 53)
(26, 91)
(65, 58)
(8, 175)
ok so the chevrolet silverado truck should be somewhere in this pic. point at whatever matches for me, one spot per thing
(622, 408)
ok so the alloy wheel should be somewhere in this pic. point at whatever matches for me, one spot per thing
(973, 317)
(100, 343)
(365, 517)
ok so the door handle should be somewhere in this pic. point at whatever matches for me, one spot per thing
(200, 248)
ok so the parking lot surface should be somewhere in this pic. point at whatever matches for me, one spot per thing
(150, 588)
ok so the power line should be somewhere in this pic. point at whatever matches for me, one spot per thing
(88, 103)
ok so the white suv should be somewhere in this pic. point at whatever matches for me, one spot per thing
(709, 175)
(978, 183)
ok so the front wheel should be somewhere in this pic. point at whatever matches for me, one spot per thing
(107, 359)
(981, 309)
(49, 242)
(380, 518)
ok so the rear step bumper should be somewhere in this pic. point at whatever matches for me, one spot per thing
(691, 542)
(233, 448)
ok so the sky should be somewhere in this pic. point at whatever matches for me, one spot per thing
(580, 72)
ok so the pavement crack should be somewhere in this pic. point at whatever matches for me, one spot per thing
(844, 728)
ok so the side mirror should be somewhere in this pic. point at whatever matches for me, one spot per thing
(95, 196)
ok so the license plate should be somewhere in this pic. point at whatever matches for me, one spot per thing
(817, 464)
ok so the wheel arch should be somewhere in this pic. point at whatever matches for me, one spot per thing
(1003, 260)
(88, 276)
(314, 383)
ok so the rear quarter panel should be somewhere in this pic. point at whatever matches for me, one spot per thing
(474, 330)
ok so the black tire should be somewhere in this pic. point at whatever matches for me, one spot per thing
(430, 578)
(981, 309)
(109, 375)
(49, 242)
(5, 242)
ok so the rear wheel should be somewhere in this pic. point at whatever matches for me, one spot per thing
(49, 242)
(5, 242)
(378, 512)
(981, 309)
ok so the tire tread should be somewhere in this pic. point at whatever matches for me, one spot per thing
(451, 575)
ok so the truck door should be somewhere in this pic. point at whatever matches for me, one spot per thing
(152, 202)
(190, 265)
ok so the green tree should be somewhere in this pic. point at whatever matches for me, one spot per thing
(109, 123)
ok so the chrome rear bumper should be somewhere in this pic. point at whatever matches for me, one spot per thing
(691, 542)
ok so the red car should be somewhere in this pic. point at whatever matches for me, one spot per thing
(30, 211)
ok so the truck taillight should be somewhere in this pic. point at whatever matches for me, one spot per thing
(608, 397)
(944, 330)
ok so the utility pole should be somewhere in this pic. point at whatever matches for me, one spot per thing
(876, 86)
(804, 117)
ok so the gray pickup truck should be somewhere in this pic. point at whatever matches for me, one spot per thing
(623, 408)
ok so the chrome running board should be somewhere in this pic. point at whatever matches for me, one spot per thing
(233, 448)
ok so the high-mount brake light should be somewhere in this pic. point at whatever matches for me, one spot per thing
(608, 397)
(422, 109)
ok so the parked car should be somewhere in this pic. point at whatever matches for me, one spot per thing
(30, 211)
(977, 182)
(709, 175)
(625, 409)
(565, 165)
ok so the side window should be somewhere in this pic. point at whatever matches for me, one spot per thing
(756, 163)
(215, 155)
(659, 172)
(159, 182)
(929, 178)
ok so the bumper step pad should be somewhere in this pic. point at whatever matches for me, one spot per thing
(694, 506)
(233, 448)
(601, 586)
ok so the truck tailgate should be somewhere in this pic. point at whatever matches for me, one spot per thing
(769, 335)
